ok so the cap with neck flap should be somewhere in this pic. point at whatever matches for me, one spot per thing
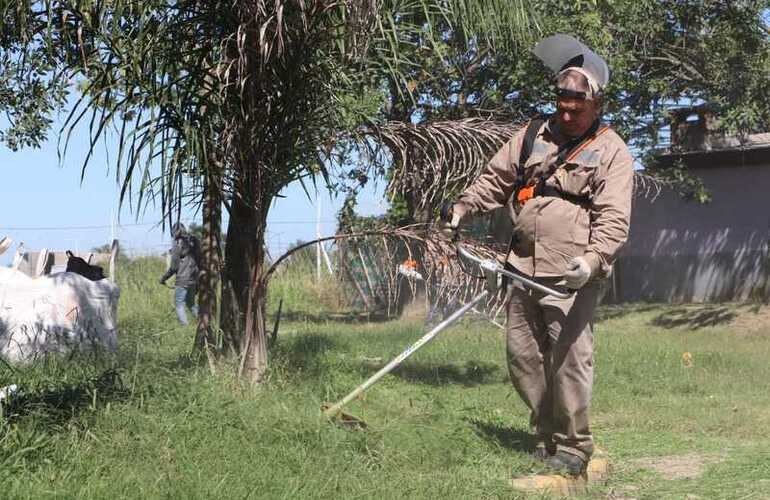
(566, 53)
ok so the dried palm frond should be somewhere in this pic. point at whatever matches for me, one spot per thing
(440, 274)
(441, 158)
(432, 162)
(648, 186)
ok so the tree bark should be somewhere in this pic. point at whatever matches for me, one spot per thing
(254, 360)
(205, 338)
(244, 289)
(241, 232)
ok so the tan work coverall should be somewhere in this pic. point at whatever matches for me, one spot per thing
(549, 340)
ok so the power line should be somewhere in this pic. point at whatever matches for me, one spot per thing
(108, 226)
(301, 222)
(69, 228)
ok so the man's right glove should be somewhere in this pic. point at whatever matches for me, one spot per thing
(452, 216)
(162, 281)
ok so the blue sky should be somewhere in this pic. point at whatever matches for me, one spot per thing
(44, 205)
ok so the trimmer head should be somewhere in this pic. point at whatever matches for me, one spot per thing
(343, 418)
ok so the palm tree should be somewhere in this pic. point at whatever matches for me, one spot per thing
(224, 103)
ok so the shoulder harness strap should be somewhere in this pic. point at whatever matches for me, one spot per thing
(535, 186)
(530, 135)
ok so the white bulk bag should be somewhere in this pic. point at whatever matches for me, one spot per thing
(57, 313)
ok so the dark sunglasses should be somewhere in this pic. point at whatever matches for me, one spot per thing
(570, 94)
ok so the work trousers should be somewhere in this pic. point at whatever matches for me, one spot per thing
(549, 343)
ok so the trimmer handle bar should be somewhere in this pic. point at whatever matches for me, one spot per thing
(492, 266)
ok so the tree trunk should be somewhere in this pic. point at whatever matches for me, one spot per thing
(205, 339)
(254, 360)
(244, 288)
(241, 231)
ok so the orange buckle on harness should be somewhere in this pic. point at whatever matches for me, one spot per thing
(525, 194)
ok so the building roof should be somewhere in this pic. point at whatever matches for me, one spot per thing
(714, 150)
(717, 143)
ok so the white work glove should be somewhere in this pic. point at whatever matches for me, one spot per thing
(458, 212)
(578, 273)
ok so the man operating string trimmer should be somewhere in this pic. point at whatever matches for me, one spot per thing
(569, 179)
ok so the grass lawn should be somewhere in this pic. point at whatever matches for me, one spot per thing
(153, 424)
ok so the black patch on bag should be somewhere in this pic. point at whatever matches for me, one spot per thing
(79, 266)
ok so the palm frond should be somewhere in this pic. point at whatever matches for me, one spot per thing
(440, 159)
(433, 162)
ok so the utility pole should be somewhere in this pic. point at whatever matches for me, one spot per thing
(318, 236)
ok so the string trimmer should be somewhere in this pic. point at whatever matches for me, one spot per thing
(491, 269)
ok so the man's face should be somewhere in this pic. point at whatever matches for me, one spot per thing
(575, 116)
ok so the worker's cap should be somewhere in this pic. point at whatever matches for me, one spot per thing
(564, 53)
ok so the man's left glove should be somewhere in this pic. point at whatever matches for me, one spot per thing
(578, 273)
(162, 281)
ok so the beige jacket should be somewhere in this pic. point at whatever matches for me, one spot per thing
(550, 230)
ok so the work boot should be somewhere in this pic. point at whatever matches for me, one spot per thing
(541, 453)
(543, 450)
(566, 463)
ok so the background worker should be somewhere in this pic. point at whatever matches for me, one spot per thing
(184, 264)
(570, 181)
